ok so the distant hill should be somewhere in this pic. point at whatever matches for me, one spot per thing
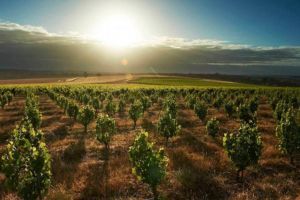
(270, 80)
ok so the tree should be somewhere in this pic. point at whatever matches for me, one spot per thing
(200, 110)
(288, 134)
(3, 101)
(65, 105)
(218, 102)
(31, 100)
(73, 110)
(105, 128)
(206, 97)
(146, 102)
(212, 127)
(154, 98)
(85, 99)
(281, 108)
(32, 112)
(170, 106)
(9, 96)
(245, 113)
(191, 100)
(110, 108)
(96, 104)
(102, 97)
(273, 101)
(229, 108)
(26, 162)
(253, 105)
(239, 100)
(244, 147)
(121, 107)
(85, 116)
(294, 102)
(135, 111)
(168, 126)
(148, 165)
(109, 97)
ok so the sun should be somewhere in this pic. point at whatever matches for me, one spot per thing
(117, 31)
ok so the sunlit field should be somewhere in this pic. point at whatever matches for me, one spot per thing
(187, 81)
(197, 164)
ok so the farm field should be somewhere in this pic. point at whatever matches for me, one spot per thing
(70, 80)
(130, 80)
(186, 81)
(198, 166)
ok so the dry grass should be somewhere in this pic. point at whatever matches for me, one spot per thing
(70, 80)
(198, 167)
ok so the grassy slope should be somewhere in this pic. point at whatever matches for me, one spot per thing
(183, 81)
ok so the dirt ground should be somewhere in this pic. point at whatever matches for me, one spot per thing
(198, 166)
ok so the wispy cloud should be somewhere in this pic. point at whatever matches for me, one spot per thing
(16, 33)
(184, 43)
(9, 26)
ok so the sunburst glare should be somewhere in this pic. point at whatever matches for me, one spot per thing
(116, 31)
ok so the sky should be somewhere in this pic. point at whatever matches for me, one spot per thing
(255, 22)
(184, 36)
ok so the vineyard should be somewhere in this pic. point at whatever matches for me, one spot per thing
(100, 142)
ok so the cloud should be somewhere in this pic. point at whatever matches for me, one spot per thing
(184, 43)
(30, 47)
(16, 33)
(224, 53)
(8, 26)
